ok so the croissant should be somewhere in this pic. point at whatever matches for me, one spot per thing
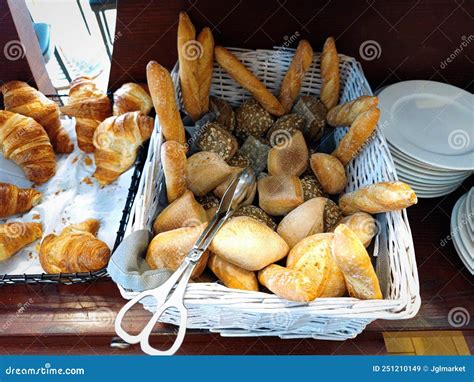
(14, 200)
(75, 249)
(116, 141)
(89, 106)
(25, 142)
(132, 97)
(15, 236)
(19, 97)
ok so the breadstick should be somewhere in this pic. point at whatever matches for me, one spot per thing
(345, 114)
(361, 129)
(291, 84)
(205, 67)
(244, 77)
(189, 52)
(377, 198)
(164, 99)
(330, 74)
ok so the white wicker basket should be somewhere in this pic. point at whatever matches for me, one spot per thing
(232, 312)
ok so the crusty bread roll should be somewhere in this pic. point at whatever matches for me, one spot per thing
(345, 114)
(330, 74)
(162, 93)
(249, 244)
(231, 275)
(359, 132)
(354, 262)
(183, 212)
(205, 171)
(330, 172)
(363, 225)
(288, 157)
(173, 160)
(291, 84)
(279, 194)
(336, 283)
(288, 283)
(168, 249)
(378, 197)
(247, 80)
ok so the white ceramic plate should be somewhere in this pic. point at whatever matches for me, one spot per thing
(458, 245)
(470, 208)
(430, 121)
(424, 180)
(424, 194)
(465, 231)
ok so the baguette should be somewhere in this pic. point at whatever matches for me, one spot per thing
(330, 74)
(173, 159)
(330, 173)
(205, 68)
(231, 275)
(162, 93)
(354, 262)
(359, 132)
(345, 114)
(247, 80)
(378, 197)
(291, 84)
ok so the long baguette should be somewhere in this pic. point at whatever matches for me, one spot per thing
(330, 74)
(205, 68)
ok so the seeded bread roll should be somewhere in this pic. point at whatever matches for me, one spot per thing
(279, 194)
(314, 113)
(239, 160)
(363, 225)
(225, 115)
(330, 86)
(330, 172)
(252, 119)
(173, 159)
(249, 244)
(311, 187)
(215, 138)
(289, 156)
(210, 203)
(231, 275)
(258, 214)
(288, 123)
(345, 114)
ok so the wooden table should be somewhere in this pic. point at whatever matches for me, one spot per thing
(79, 319)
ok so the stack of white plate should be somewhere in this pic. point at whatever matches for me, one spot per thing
(462, 229)
(429, 127)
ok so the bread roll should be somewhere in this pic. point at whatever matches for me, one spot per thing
(221, 188)
(289, 156)
(205, 171)
(288, 283)
(363, 225)
(183, 212)
(249, 244)
(335, 284)
(256, 213)
(354, 262)
(330, 87)
(173, 160)
(345, 114)
(231, 275)
(330, 172)
(279, 194)
(378, 197)
(168, 249)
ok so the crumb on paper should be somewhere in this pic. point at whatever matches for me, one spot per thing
(87, 180)
(36, 217)
(88, 161)
(74, 160)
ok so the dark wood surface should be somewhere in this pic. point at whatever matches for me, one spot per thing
(79, 318)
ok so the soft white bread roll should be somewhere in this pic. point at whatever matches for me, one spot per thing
(249, 244)
(183, 212)
(378, 197)
(288, 283)
(354, 262)
(205, 171)
(231, 275)
(345, 114)
(330, 173)
(363, 225)
(173, 160)
(168, 249)
(288, 156)
(279, 194)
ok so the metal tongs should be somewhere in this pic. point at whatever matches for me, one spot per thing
(171, 293)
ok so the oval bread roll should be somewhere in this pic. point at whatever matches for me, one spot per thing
(330, 173)
(249, 244)
(363, 225)
(231, 275)
(279, 194)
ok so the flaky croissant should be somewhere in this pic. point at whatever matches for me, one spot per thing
(25, 142)
(116, 141)
(132, 97)
(21, 98)
(15, 236)
(14, 200)
(89, 106)
(75, 249)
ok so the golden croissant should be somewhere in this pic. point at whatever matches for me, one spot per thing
(15, 236)
(19, 97)
(75, 249)
(132, 97)
(89, 106)
(116, 142)
(14, 200)
(25, 142)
